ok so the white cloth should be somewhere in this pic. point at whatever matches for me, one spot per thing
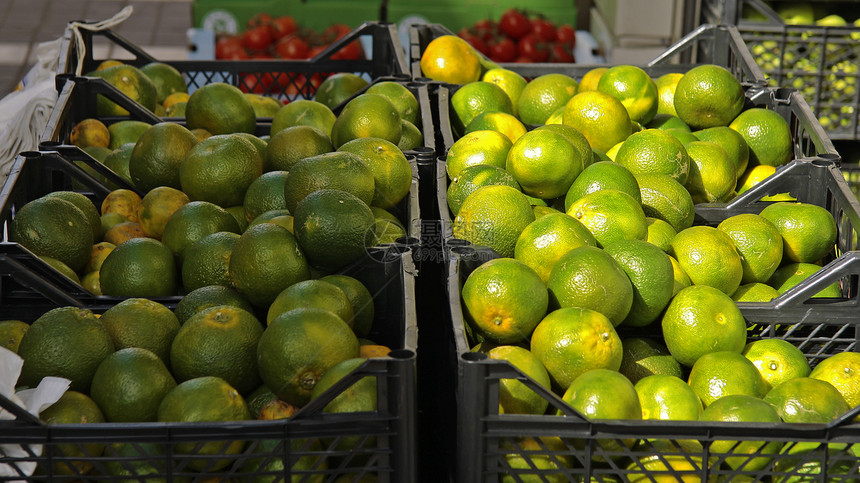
(33, 400)
(25, 111)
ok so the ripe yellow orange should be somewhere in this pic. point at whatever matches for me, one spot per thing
(664, 198)
(709, 257)
(449, 58)
(767, 134)
(743, 408)
(494, 298)
(777, 360)
(717, 374)
(634, 88)
(544, 241)
(610, 215)
(157, 206)
(643, 357)
(514, 396)
(572, 341)
(494, 216)
(544, 163)
(502, 122)
(843, 372)
(656, 152)
(708, 95)
(702, 319)
(591, 78)
(544, 95)
(666, 85)
(758, 242)
(601, 118)
(807, 400)
(510, 82)
(667, 398)
(808, 230)
(712, 176)
(588, 277)
(476, 98)
(477, 147)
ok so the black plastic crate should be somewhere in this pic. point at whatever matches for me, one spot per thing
(485, 437)
(27, 280)
(814, 57)
(708, 44)
(385, 57)
(384, 440)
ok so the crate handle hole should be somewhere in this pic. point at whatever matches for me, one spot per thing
(404, 354)
(827, 159)
(474, 356)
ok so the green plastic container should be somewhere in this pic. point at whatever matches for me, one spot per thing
(232, 15)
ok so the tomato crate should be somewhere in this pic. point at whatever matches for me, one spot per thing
(288, 79)
(312, 445)
(27, 280)
(233, 16)
(563, 445)
(819, 60)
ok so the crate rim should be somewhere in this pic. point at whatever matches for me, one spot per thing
(70, 45)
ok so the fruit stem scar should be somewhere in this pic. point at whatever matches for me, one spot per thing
(308, 380)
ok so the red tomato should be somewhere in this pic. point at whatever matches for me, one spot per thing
(529, 46)
(229, 47)
(503, 50)
(284, 25)
(316, 50)
(278, 82)
(350, 51)
(522, 59)
(292, 47)
(257, 38)
(474, 40)
(259, 19)
(561, 52)
(336, 31)
(543, 29)
(514, 23)
(300, 85)
(254, 83)
(566, 33)
(486, 29)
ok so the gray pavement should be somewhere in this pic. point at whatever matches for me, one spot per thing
(160, 27)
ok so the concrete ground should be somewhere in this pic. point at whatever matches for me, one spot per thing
(160, 27)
